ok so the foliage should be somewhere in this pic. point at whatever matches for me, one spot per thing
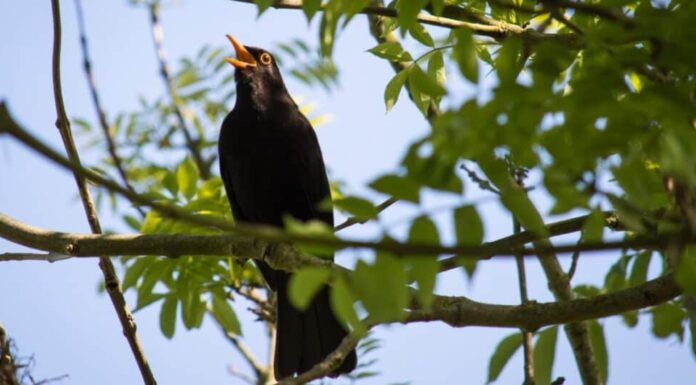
(597, 101)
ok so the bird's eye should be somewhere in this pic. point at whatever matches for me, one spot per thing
(265, 58)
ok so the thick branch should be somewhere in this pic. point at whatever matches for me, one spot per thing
(460, 312)
(111, 282)
(456, 311)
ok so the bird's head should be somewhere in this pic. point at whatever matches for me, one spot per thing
(254, 66)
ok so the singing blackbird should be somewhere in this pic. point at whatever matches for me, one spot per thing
(271, 165)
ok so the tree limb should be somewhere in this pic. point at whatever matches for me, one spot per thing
(111, 282)
(456, 311)
(496, 30)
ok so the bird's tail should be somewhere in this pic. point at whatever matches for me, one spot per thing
(305, 338)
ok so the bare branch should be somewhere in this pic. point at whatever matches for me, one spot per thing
(111, 282)
(260, 370)
(158, 40)
(50, 257)
(354, 220)
(96, 101)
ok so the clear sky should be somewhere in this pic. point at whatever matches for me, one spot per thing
(54, 312)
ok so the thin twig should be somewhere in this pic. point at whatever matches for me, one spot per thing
(481, 182)
(111, 281)
(96, 101)
(260, 370)
(158, 40)
(355, 220)
(528, 366)
(519, 175)
(49, 257)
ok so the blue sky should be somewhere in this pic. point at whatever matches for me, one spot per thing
(54, 312)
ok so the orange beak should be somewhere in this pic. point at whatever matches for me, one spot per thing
(244, 58)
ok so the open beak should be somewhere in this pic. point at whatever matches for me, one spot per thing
(244, 58)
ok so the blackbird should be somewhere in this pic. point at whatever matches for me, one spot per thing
(272, 166)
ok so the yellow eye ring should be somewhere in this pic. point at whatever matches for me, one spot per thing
(265, 58)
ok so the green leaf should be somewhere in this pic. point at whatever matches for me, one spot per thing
(503, 352)
(407, 12)
(167, 318)
(639, 272)
(310, 8)
(263, 5)
(421, 34)
(468, 226)
(464, 52)
(507, 62)
(187, 177)
(187, 77)
(685, 271)
(436, 68)
(667, 320)
(327, 28)
(544, 353)
(170, 183)
(420, 82)
(382, 287)
(342, 300)
(424, 269)
(438, 6)
(132, 222)
(224, 314)
(393, 89)
(135, 271)
(593, 228)
(82, 124)
(599, 347)
(398, 187)
(392, 51)
(314, 229)
(152, 275)
(469, 231)
(305, 284)
(358, 207)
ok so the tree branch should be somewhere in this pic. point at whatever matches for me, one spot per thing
(49, 257)
(456, 311)
(496, 30)
(260, 370)
(111, 281)
(158, 40)
(354, 220)
(96, 101)
(461, 312)
(577, 332)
